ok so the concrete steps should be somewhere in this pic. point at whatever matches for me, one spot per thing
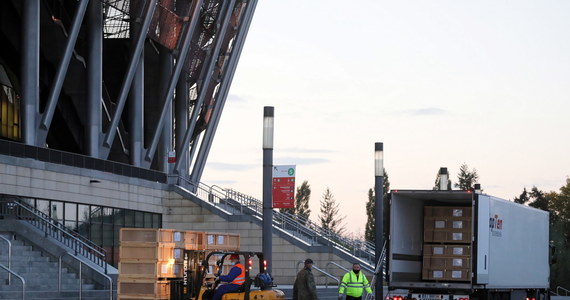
(41, 274)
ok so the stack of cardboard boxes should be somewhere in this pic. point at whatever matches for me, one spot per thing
(447, 243)
(149, 257)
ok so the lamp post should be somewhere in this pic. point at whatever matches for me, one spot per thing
(267, 181)
(378, 216)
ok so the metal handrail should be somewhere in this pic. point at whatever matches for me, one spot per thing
(336, 265)
(379, 264)
(566, 291)
(80, 276)
(9, 258)
(20, 277)
(328, 275)
(292, 223)
(40, 220)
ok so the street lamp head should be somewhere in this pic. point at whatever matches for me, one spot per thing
(268, 127)
(378, 159)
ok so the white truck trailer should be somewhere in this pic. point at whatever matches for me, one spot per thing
(461, 245)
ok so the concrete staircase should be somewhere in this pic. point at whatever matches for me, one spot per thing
(41, 275)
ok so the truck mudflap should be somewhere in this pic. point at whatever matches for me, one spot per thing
(438, 297)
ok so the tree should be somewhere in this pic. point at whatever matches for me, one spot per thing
(302, 201)
(466, 179)
(523, 198)
(302, 198)
(369, 231)
(559, 206)
(329, 216)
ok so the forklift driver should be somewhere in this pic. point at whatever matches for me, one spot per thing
(235, 278)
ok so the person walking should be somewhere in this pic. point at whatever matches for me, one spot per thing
(354, 282)
(305, 287)
(235, 278)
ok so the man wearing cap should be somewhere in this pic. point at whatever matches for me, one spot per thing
(235, 278)
(304, 287)
(354, 282)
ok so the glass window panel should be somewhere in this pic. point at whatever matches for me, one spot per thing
(96, 214)
(28, 201)
(107, 235)
(147, 220)
(156, 222)
(43, 206)
(96, 234)
(83, 229)
(83, 213)
(129, 218)
(71, 225)
(70, 212)
(139, 219)
(57, 211)
(107, 213)
(119, 217)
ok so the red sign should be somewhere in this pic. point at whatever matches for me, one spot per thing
(283, 187)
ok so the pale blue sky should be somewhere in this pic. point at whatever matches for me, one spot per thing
(441, 83)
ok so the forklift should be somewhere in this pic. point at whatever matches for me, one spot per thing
(199, 277)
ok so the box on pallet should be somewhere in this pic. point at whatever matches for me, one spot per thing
(159, 252)
(150, 269)
(143, 289)
(146, 235)
(222, 241)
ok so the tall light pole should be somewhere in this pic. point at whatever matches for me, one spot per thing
(267, 181)
(378, 216)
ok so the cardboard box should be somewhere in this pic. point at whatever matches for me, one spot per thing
(458, 275)
(457, 250)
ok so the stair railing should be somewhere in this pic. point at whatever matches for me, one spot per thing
(559, 288)
(327, 274)
(229, 198)
(9, 258)
(79, 244)
(80, 276)
(377, 273)
(19, 277)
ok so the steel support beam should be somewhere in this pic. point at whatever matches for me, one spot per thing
(57, 84)
(127, 81)
(223, 91)
(30, 70)
(136, 115)
(94, 78)
(174, 79)
(165, 141)
(181, 112)
(220, 34)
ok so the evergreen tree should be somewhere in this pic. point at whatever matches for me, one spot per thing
(539, 199)
(369, 231)
(523, 198)
(329, 216)
(302, 198)
(302, 201)
(466, 179)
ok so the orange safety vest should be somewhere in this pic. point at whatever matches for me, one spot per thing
(240, 279)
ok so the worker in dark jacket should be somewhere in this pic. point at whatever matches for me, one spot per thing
(304, 287)
(235, 278)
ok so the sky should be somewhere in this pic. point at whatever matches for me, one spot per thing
(440, 83)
